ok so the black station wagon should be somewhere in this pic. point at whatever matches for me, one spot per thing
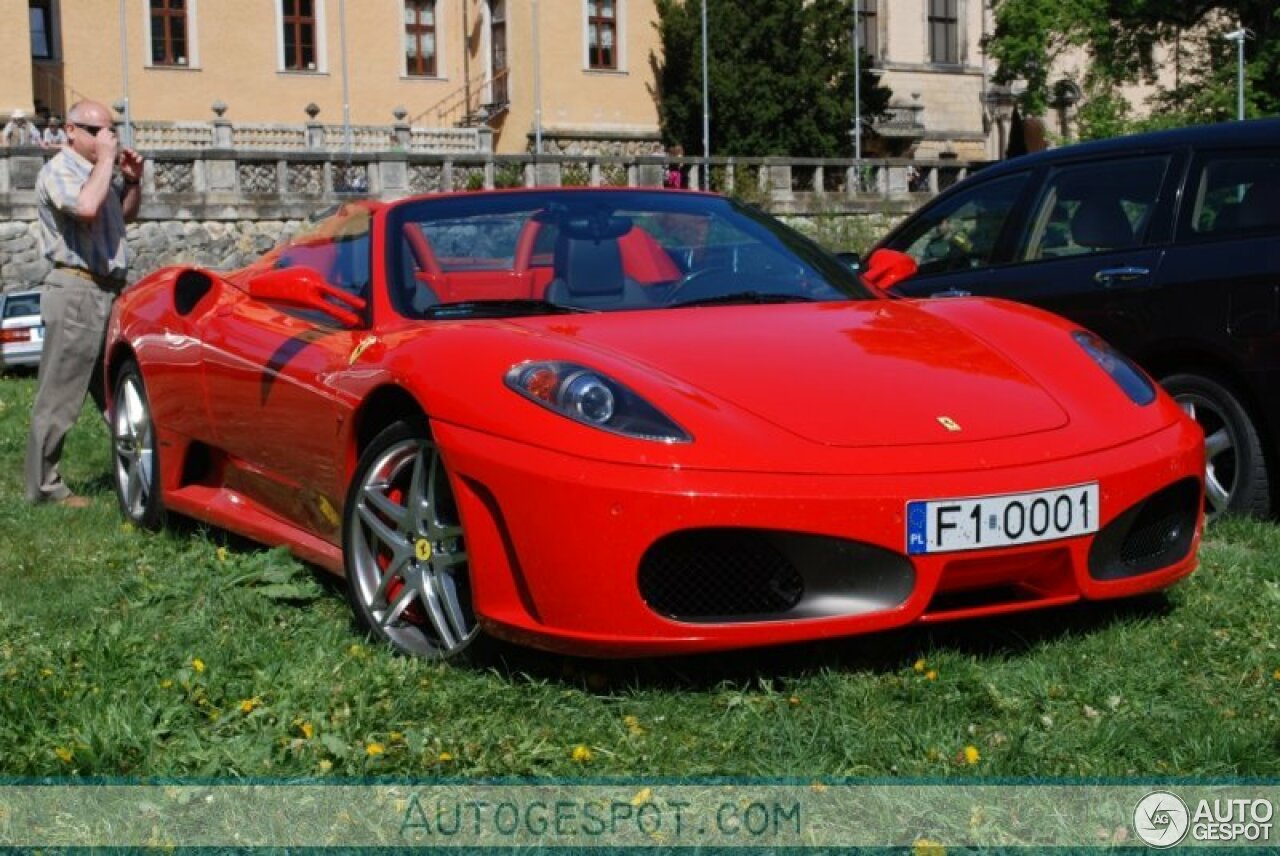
(1165, 244)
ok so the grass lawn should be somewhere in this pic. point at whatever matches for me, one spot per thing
(190, 654)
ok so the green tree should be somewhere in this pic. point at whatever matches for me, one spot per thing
(1121, 38)
(780, 76)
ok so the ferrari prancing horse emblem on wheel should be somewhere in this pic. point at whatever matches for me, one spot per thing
(422, 549)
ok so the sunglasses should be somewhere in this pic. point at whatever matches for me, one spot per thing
(92, 130)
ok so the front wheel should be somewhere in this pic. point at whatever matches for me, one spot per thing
(136, 461)
(405, 552)
(1235, 479)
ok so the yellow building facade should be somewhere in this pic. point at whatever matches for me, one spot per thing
(578, 70)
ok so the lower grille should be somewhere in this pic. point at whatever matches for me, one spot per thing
(718, 574)
(1151, 535)
(728, 575)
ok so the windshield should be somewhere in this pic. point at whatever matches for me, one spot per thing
(502, 254)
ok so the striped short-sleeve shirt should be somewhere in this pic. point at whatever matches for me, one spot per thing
(98, 247)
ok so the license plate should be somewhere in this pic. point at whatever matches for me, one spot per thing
(978, 523)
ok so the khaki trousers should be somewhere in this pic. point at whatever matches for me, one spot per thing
(75, 313)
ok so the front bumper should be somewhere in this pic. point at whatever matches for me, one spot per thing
(557, 542)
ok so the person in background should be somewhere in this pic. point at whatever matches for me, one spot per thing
(81, 212)
(19, 131)
(54, 136)
(674, 177)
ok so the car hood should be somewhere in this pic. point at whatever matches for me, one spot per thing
(865, 373)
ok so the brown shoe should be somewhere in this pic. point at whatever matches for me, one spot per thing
(74, 501)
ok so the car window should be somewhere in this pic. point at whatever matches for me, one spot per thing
(17, 305)
(1236, 193)
(1095, 208)
(960, 233)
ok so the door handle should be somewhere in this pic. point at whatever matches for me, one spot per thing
(1110, 276)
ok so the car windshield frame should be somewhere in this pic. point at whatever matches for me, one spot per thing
(589, 217)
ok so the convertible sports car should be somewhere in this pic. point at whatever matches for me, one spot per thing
(635, 422)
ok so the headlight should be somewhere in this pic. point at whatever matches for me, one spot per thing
(593, 399)
(1123, 371)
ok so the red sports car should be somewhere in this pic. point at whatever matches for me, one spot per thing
(635, 422)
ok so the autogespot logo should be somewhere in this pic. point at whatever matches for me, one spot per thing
(1161, 819)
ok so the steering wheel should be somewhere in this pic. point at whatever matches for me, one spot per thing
(698, 284)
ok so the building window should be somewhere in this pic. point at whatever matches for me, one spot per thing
(169, 32)
(602, 34)
(40, 15)
(420, 38)
(944, 32)
(869, 27)
(299, 34)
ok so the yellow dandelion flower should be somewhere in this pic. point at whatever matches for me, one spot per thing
(248, 705)
(926, 847)
(396, 737)
(794, 701)
(326, 765)
(920, 665)
(1276, 674)
(222, 554)
(46, 673)
(972, 755)
(374, 749)
(581, 754)
(633, 724)
(197, 664)
(126, 527)
(308, 730)
(166, 684)
(356, 649)
(931, 675)
(445, 757)
(64, 754)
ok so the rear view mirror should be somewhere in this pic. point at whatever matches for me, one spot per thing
(887, 268)
(305, 288)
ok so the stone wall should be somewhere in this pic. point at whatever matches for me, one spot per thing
(219, 244)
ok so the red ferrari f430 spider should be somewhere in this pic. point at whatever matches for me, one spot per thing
(633, 422)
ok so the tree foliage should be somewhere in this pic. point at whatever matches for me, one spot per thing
(780, 76)
(1122, 38)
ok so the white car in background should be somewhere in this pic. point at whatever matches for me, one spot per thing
(21, 330)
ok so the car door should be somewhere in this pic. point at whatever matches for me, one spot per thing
(1090, 244)
(274, 375)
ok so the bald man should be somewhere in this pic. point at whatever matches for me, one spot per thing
(82, 211)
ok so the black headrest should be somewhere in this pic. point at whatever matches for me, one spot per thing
(589, 267)
(1101, 222)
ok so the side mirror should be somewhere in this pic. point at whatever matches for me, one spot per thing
(853, 260)
(887, 268)
(305, 288)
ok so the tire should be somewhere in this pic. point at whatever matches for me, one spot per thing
(407, 574)
(135, 455)
(1236, 477)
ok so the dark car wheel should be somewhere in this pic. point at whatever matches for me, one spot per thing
(404, 548)
(136, 464)
(1236, 479)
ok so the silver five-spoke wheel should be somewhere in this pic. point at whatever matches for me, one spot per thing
(406, 556)
(136, 466)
